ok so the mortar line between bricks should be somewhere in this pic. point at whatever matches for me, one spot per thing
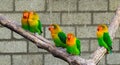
(75, 30)
(13, 5)
(58, 11)
(12, 37)
(77, 4)
(11, 59)
(119, 44)
(61, 18)
(108, 5)
(43, 59)
(27, 46)
(24, 53)
(89, 49)
(45, 5)
(106, 60)
(12, 40)
(44, 31)
(92, 18)
(79, 38)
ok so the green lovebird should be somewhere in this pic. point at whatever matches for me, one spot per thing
(35, 25)
(103, 37)
(58, 36)
(24, 20)
(73, 44)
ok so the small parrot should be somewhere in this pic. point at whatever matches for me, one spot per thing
(104, 37)
(35, 25)
(73, 44)
(24, 20)
(58, 36)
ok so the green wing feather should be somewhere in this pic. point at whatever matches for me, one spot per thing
(62, 36)
(107, 39)
(78, 44)
(40, 26)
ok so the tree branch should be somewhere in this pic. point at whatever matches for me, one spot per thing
(45, 44)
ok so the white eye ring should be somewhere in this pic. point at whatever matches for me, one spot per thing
(52, 26)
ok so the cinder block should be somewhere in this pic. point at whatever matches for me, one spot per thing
(102, 61)
(5, 33)
(114, 4)
(14, 17)
(33, 48)
(117, 34)
(13, 46)
(50, 60)
(102, 18)
(5, 60)
(62, 5)
(36, 5)
(48, 18)
(113, 58)
(86, 31)
(6, 5)
(93, 5)
(115, 45)
(84, 45)
(85, 55)
(27, 59)
(66, 29)
(76, 18)
(17, 36)
(94, 45)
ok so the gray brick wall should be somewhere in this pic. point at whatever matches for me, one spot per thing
(80, 17)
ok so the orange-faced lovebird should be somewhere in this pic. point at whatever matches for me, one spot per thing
(24, 20)
(73, 44)
(58, 36)
(103, 37)
(35, 25)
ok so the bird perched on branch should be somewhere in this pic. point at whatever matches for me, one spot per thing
(31, 22)
(103, 37)
(34, 23)
(58, 36)
(73, 44)
(24, 20)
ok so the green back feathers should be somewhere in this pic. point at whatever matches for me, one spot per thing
(107, 39)
(62, 37)
(78, 44)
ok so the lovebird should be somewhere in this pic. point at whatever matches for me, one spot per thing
(35, 25)
(73, 44)
(24, 20)
(58, 36)
(103, 37)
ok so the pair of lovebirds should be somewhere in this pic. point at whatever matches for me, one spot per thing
(73, 45)
(31, 22)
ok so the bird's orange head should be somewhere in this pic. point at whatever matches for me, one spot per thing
(25, 14)
(101, 29)
(31, 14)
(70, 41)
(54, 28)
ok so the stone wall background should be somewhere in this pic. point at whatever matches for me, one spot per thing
(80, 17)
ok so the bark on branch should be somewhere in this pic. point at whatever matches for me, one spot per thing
(45, 44)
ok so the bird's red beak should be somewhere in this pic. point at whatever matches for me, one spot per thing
(68, 37)
(50, 28)
(97, 29)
